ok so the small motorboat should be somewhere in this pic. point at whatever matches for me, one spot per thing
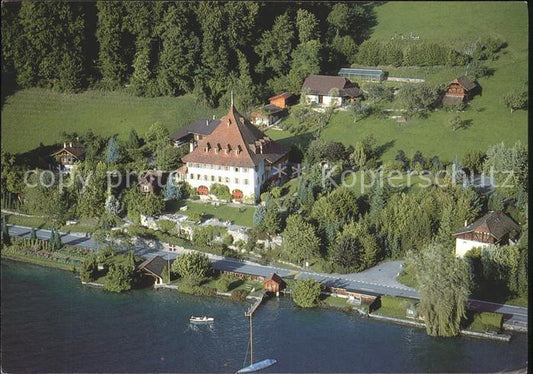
(203, 319)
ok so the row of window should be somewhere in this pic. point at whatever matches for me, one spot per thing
(219, 179)
(220, 167)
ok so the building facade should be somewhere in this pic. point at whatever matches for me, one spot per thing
(328, 90)
(236, 154)
(69, 155)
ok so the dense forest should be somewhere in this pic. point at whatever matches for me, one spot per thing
(172, 48)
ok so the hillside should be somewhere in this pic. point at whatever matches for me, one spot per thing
(32, 116)
(455, 23)
(36, 115)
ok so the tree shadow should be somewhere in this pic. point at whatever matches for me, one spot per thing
(39, 157)
(380, 150)
(9, 87)
(236, 283)
(465, 124)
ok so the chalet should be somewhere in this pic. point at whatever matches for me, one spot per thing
(274, 111)
(152, 181)
(493, 228)
(273, 283)
(236, 154)
(193, 133)
(69, 155)
(329, 90)
(365, 75)
(459, 91)
(155, 267)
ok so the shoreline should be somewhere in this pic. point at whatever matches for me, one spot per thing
(378, 317)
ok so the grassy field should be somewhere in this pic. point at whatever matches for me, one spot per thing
(488, 120)
(37, 115)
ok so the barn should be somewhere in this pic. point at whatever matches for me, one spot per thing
(459, 91)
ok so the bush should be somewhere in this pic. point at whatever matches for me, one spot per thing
(239, 295)
(192, 266)
(221, 191)
(204, 291)
(306, 293)
(486, 321)
(196, 217)
(223, 284)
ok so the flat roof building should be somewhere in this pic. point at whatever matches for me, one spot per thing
(367, 75)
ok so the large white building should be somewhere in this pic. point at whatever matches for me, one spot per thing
(235, 154)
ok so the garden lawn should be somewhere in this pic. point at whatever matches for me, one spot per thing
(393, 306)
(36, 115)
(37, 222)
(238, 215)
(334, 301)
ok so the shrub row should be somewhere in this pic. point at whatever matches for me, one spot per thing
(396, 53)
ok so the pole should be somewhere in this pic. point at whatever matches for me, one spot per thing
(251, 342)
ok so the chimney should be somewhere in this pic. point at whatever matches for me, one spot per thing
(70, 144)
(466, 222)
(64, 144)
(213, 116)
(207, 122)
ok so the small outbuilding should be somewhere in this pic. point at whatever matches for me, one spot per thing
(459, 91)
(274, 111)
(365, 75)
(155, 267)
(273, 283)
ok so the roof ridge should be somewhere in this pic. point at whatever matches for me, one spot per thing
(233, 110)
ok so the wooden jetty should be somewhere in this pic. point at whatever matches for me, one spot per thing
(255, 305)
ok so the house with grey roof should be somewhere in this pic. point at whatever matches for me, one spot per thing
(156, 268)
(494, 228)
(328, 90)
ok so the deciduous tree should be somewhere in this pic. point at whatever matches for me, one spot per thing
(443, 282)
(306, 293)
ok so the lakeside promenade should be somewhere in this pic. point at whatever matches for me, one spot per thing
(379, 279)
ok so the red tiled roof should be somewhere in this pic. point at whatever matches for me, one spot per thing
(236, 142)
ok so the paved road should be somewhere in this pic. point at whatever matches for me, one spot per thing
(380, 279)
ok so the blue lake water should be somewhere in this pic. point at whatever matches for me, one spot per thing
(51, 323)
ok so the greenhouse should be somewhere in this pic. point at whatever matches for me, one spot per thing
(368, 75)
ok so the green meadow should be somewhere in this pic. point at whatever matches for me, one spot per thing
(36, 115)
(487, 120)
(32, 116)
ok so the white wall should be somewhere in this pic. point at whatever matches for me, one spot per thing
(252, 188)
(326, 100)
(462, 246)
